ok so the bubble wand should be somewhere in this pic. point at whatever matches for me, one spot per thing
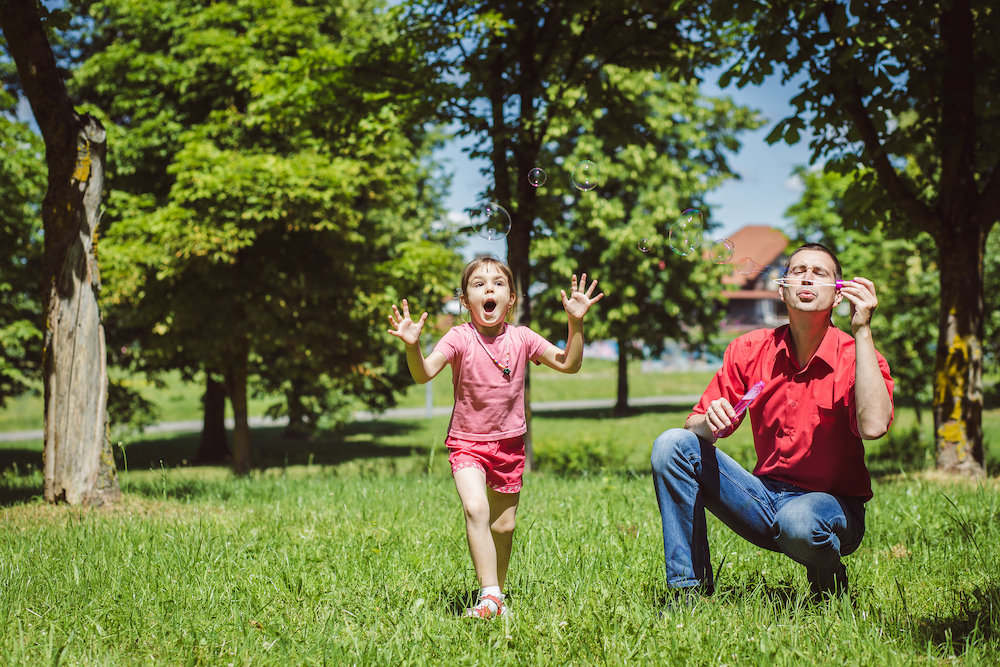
(742, 406)
(791, 282)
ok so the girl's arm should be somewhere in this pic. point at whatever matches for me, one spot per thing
(423, 369)
(576, 304)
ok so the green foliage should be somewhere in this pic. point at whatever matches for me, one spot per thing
(521, 77)
(665, 147)
(22, 187)
(267, 191)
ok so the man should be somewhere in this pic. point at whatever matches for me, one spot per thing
(824, 392)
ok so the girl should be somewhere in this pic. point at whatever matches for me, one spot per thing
(485, 437)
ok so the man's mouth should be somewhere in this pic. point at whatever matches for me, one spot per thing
(490, 306)
(806, 294)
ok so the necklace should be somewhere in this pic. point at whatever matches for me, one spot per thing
(505, 369)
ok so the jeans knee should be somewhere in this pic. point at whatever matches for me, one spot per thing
(801, 532)
(669, 446)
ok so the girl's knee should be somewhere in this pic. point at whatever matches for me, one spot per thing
(504, 525)
(669, 445)
(477, 510)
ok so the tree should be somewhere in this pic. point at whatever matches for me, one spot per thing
(904, 94)
(904, 272)
(78, 465)
(270, 199)
(665, 146)
(510, 71)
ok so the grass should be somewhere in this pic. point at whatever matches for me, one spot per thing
(350, 549)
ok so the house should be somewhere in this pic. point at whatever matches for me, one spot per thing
(758, 255)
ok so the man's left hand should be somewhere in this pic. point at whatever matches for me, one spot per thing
(860, 292)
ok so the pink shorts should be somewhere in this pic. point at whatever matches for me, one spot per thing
(502, 461)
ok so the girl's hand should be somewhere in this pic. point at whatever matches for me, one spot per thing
(578, 303)
(404, 327)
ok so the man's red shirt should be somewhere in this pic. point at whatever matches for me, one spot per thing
(805, 421)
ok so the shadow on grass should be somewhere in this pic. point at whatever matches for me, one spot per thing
(20, 466)
(456, 601)
(270, 449)
(681, 411)
(974, 621)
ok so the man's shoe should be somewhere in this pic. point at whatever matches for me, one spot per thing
(832, 587)
(681, 600)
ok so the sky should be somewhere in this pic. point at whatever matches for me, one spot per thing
(762, 194)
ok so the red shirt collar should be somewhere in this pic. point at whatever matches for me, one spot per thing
(827, 352)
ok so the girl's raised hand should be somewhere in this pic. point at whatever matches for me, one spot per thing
(578, 303)
(404, 327)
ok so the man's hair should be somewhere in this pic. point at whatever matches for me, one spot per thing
(820, 247)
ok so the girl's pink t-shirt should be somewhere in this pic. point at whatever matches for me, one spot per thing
(488, 405)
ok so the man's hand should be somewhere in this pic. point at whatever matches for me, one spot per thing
(403, 327)
(578, 303)
(719, 416)
(860, 292)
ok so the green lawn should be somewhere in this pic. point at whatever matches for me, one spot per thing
(351, 550)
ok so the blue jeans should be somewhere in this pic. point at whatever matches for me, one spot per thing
(812, 528)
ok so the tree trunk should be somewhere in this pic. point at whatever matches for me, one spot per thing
(621, 406)
(78, 463)
(214, 446)
(300, 423)
(958, 372)
(236, 387)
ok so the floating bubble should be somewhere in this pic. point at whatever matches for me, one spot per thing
(721, 251)
(586, 175)
(645, 245)
(490, 220)
(536, 177)
(747, 265)
(685, 234)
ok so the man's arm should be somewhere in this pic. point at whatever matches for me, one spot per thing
(871, 395)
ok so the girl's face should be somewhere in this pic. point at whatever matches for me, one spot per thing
(489, 298)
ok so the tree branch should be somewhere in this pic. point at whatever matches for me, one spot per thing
(908, 204)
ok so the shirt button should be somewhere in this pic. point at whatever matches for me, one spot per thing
(792, 403)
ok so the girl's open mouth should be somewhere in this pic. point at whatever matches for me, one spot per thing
(490, 306)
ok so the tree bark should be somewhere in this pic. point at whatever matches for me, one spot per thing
(621, 405)
(214, 446)
(958, 372)
(236, 387)
(78, 462)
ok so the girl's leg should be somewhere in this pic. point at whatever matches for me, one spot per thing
(471, 485)
(503, 508)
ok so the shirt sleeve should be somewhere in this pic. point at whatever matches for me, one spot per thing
(535, 344)
(450, 344)
(729, 381)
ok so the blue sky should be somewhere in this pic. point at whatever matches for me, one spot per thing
(763, 193)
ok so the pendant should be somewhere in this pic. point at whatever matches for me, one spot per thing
(506, 372)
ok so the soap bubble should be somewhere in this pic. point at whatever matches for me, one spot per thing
(721, 251)
(490, 220)
(747, 265)
(536, 177)
(586, 175)
(645, 245)
(685, 234)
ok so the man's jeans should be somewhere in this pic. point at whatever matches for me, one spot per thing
(812, 528)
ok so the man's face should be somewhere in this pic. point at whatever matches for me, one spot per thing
(809, 283)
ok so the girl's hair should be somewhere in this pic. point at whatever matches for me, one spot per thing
(477, 264)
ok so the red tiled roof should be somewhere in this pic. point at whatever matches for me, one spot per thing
(762, 244)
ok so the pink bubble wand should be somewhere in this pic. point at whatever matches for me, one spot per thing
(742, 406)
(790, 282)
